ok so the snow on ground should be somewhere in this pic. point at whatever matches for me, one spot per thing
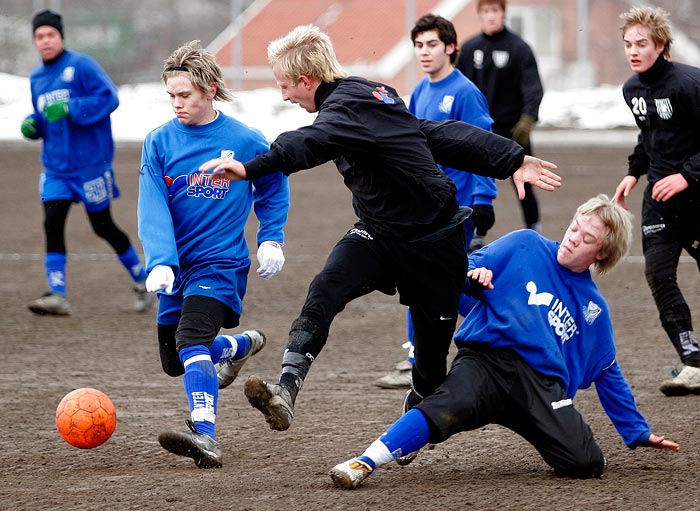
(146, 106)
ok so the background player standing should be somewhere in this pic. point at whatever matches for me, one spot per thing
(664, 98)
(525, 374)
(445, 93)
(192, 229)
(408, 237)
(503, 66)
(73, 99)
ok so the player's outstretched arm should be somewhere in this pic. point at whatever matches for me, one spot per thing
(659, 442)
(538, 173)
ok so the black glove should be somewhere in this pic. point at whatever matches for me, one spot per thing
(483, 218)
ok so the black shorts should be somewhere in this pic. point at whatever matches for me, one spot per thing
(496, 386)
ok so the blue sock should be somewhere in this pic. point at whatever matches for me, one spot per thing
(406, 435)
(201, 387)
(410, 433)
(55, 264)
(132, 263)
(229, 347)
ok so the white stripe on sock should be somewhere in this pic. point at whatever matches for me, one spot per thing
(379, 453)
(203, 414)
(197, 358)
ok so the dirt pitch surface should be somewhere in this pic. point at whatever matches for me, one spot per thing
(339, 411)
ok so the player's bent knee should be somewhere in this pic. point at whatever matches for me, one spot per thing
(195, 328)
(590, 468)
(172, 369)
(169, 360)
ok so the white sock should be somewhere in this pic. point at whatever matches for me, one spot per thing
(378, 453)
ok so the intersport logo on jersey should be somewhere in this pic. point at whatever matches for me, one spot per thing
(207, 186)
(558, 315)
(199, 185)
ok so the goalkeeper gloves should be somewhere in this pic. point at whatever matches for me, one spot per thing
(29, 128)
(160, 278)
(56, 111)
(271, 259)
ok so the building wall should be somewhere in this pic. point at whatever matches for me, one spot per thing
(365, 31)
(561, 68)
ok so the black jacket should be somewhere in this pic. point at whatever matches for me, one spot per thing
(665, 101)
(504, 68)
(387, 157)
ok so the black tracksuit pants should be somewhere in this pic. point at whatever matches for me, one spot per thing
(496, 386)
(668, 228)
(427, 273)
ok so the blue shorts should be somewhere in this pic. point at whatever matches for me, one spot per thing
(225, 282)
(95, 190)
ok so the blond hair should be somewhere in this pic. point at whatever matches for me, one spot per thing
(201, 68)
(618, 222)
(653, 18)
(305, 51)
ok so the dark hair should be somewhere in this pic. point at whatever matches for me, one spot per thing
(444, 27)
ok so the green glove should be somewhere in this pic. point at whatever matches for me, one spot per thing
(29, 128)
(521, 130)
(56, 111)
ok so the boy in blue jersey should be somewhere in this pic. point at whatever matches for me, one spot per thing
(73, 99)
(540, 331)
(192, 226)
(445, 93)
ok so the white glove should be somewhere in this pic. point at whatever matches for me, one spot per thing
(161, 277)
(270, 258)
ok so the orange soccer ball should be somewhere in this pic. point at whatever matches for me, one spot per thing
(86, 418)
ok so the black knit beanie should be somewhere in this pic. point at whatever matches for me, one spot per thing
(49, 18)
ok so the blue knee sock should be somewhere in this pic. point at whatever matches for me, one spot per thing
(55, 264)
(132, 263)
(229, 347)
(408, 434)
(201, 387)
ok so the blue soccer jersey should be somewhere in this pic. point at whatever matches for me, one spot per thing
(455, 97)
(188, 219)
(555, 319)
(81, 142)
